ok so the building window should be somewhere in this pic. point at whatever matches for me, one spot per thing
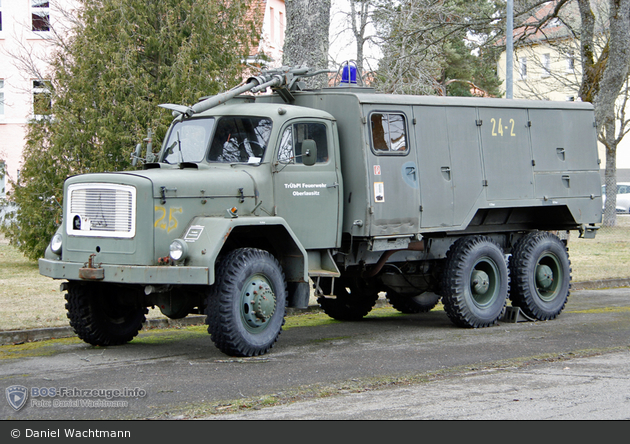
(0, 15)
(546, 65)
(523, 68)
(280, 28)
(272, 25)
(42, 98)
(1, 97)
(40, 15)
(570, 64)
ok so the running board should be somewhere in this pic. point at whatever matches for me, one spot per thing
(322, 264)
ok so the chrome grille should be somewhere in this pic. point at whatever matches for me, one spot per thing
(106, 210)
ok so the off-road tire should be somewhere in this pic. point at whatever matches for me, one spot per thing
(354, 299)
(541, 275)
(97, 316)
(240, 322)
(475, 282)
(421, 303)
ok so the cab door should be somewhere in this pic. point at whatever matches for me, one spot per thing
(308, 197)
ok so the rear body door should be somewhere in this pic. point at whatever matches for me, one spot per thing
(394, 186)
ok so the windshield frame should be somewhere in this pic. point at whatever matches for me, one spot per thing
(257, 128)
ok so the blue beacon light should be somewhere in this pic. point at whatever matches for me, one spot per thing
(349, 74)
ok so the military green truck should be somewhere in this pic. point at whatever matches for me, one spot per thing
(254, 199)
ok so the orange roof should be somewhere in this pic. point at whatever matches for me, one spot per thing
(547, 23)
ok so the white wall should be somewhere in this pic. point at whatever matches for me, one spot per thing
(18, 39)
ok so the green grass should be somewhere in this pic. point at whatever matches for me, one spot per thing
(29, 300)
(605, 257)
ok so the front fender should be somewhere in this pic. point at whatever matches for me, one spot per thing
(206, 238)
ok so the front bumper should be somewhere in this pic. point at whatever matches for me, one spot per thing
(127, 274)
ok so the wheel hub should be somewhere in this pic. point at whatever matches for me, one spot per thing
(258, 303)
(264, 302)
(480, 282)
(544, 276)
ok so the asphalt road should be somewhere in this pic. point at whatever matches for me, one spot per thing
(574, 367)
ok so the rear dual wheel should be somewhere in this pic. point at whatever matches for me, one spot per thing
(420, 303)
(354, 298)
(475, 282)
(541, 275)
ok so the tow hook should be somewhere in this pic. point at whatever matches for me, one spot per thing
(90, 271)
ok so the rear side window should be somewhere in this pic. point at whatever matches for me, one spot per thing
(389, 133)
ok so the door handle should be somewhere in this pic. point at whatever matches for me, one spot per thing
(446, 172)
(332, 185)
(411, 171)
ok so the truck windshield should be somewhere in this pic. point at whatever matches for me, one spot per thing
(240, 139)
(188, 141)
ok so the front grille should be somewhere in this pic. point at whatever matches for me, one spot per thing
(102, 210)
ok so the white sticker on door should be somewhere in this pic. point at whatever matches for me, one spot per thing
(379, 192)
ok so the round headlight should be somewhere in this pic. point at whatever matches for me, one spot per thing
(178, 250)
(55, 243)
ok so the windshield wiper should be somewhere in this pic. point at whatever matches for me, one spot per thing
(179, 144)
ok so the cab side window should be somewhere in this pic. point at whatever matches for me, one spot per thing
(389, 133)
(290, 150)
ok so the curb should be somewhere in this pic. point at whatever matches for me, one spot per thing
(16, 337)
(600, 284)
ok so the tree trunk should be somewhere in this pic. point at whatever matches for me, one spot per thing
(602, 83)
(610, 208)
(615, 75)
(358, 23)
(306, 37)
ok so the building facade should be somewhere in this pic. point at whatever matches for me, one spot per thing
(271, 30)
(547, 65)
(26, 27)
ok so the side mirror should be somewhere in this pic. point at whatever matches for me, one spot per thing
(309, 152)
(135, 156)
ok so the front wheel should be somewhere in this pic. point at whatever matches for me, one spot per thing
(475, 282)
(541, 273)
(102, 314)
(246, 305)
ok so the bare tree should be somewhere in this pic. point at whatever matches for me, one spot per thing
(422, 37)
(358, 23)
(604, 48)
(306, 40)
(615, 75)
(412, 59)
